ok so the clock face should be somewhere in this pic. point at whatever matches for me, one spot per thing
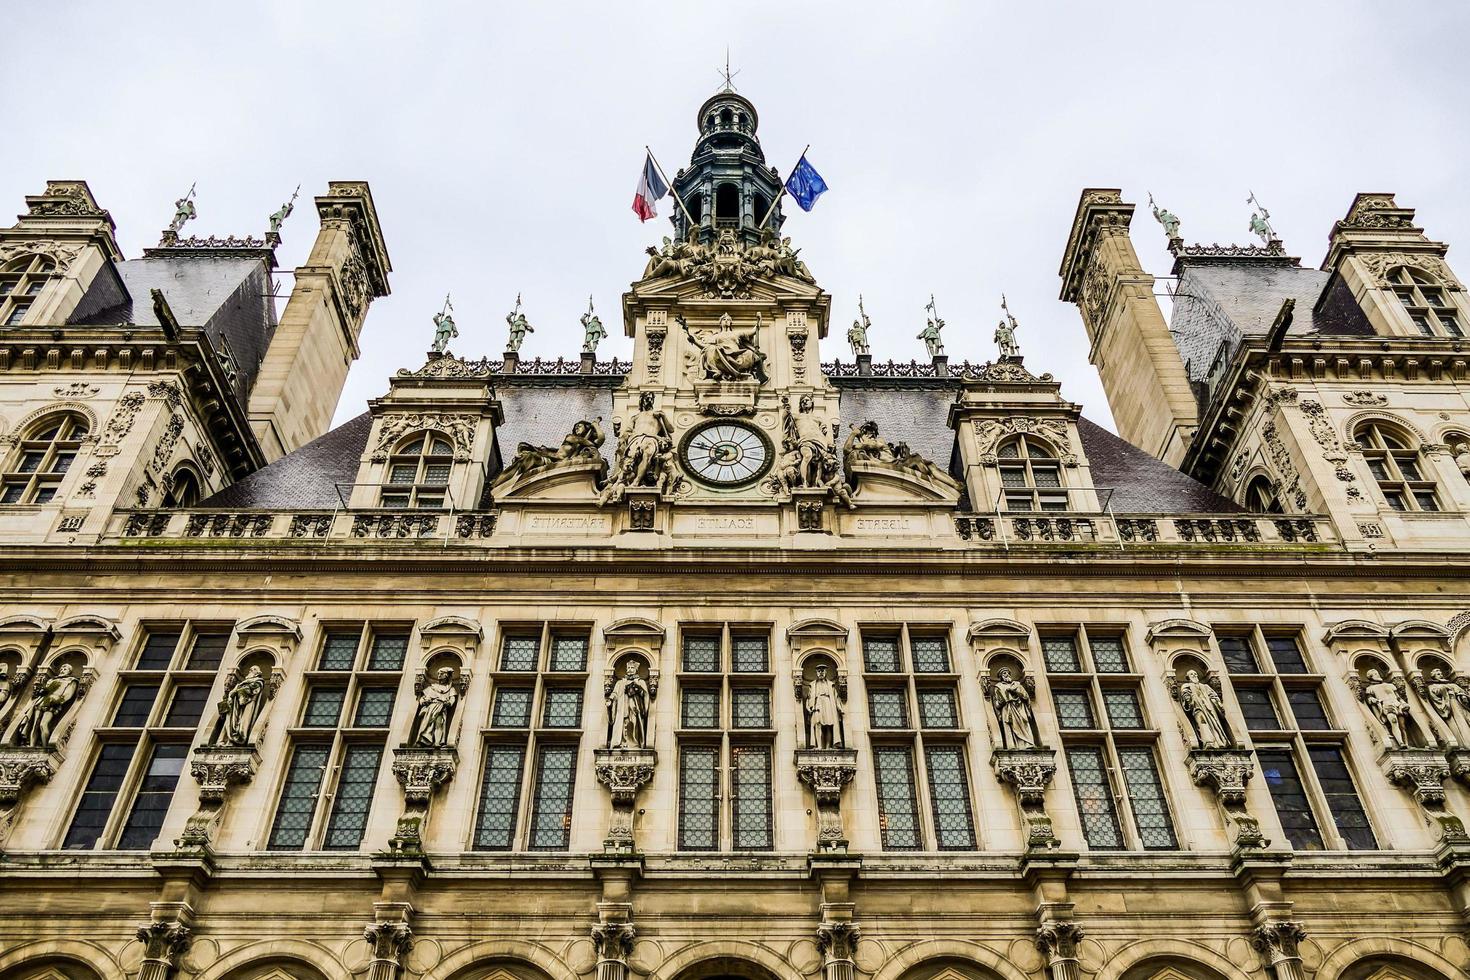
(726, 454)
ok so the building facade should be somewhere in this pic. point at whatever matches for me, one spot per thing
(734, 660)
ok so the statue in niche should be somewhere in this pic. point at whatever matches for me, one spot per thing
(583, 443)
(519, 327)
(1462, 458)
(1012, 704)
(627, 708)
(240, 708)
(645, 450)
(1388, 706)
(593, 331)
(730, 353)
(1206, 712)
(430, 729)
(7, 687)
(1451, 703)
(824, 709)
(47, 706)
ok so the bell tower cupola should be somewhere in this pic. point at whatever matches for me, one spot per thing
(727, 183)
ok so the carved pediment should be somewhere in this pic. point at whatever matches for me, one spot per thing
(1178, 629)
(816, 629)
(1355, 629)
(87, 624)
(634, 627)
(257, 626)
(22, 624)
(1000, 629)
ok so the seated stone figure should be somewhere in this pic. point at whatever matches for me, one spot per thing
(582, 444)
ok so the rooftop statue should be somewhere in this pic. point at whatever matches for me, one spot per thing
(1005, 333)
(183, 211)
(1260, 224)
(1165, 217)
(444, 328)
(279, 217)
(593, 329)
(932, 326)
(519, 327)
(730, 353)
(857, 334)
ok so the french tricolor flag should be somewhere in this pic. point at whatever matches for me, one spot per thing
(651, 187)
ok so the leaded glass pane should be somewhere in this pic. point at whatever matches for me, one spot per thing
(1107, 654)
(1094, 798)
(374, 707)
(158, 650)
(1286, 654)
(563, 708)
(98, 798)
(1307, 706)
(1255, 704)
(751, 707)
(750, 655)
(512, 707)
(1342, 797)
(1123, 710)
(136, 705)
(1146, 795)
(1239, 657)
(888, 708)
(898, 808)
(1290, 798)
(949, 792)
(569, 652)
(752, 807)
(339, 650)
(1060, 653)
(699, 774)
(324, 707)
(551, 812)
(880, 654)
(931, 654)
(702, 654)
(937, 708)
(388, 652)
(187, 706)
(154, 794)
(354, 797)
(208, 651)
(700, 708)
(1074, 709)
(520, 653)
(298, 797)
(500, 796)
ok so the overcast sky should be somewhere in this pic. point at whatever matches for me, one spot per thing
(503, 141)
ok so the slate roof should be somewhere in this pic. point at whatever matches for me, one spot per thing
(543, 413)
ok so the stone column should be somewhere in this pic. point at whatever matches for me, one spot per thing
(836, 942)
(1057, 940)
(391, 941)
(614, 942)
(163, 943)
(1277, 943)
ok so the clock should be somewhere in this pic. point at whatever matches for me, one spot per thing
(726, 454)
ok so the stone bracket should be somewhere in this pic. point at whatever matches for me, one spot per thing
(624, 772)
(1422, 773)
(1029, 772)
(1225, 772)
(21, 769)
(827, 771)
(421, 771)
(218, 769)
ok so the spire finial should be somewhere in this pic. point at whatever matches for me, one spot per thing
(727, 74)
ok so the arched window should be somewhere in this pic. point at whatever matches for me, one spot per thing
(1397, 467)
(1428, 304)
(50, 970)
(726, 117)
(44, 455)
(1261, 497)
(184, 491)
(1031, 475)
(21, 281)
(696, 206)
(418, 474)
(727, 203)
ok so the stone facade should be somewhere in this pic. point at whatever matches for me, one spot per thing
(731, 661)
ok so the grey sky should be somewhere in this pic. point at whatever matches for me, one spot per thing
(503, 141)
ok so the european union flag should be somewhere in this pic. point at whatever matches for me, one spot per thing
(805, 185)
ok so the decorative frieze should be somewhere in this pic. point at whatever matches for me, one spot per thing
(123, 414)
(145, 525)
(474, 525)
(1138, 529)
(1227, 530)
(228, 525)
(395, 525)
(827, 771)
(309, 525)
(989, 432)
(458, 427)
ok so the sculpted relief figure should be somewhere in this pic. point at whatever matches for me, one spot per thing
(1012, 703)
(47, 706)
(582, 444)
(809, 453)
(864, 445)
(240, 708)
(824, 709)
(730, 353)
(1389, 707)
(1462, 459)
(627, 708)
(1206, 712)
(430, 729)
(645, 453)
(1451, 703)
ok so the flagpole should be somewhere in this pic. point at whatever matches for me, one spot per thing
(672, 192)
(777, 201)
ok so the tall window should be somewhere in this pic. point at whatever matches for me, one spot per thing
(1430, 306)
(725, 738)
(21, 281)
(183, 490)
(144, 743)
(1397, 467)
(529, 772)
(1109, 745)
(1300, 748)
(418, 473)
(1030, 475)
(920, 765)
(1261, 497)
(338, 743)
(42, 458)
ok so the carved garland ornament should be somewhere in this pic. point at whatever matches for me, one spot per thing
(1291, 481)
(459, 428)
(989, 432)
(1380, 264)
(123, 415)
(1332, 451)
(62, 255)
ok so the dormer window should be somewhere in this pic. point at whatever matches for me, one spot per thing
(21, 281)
(1428, 304)
(1030, 475)
(1397, 467)
(42, 458)
(418, 473)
